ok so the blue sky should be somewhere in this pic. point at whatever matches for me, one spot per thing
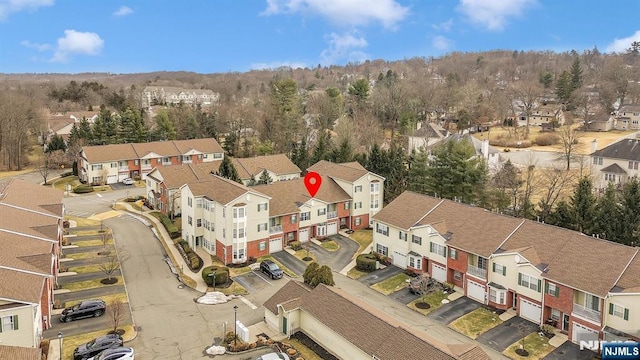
(208, 36)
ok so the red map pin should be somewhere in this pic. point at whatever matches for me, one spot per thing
(312, 182)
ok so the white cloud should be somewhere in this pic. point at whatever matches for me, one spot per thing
(621, 45)
(13, 6)
(493, 14)
(343, 12)
(276, 65)
(445, 26)
(39, 47)
(346, 46)
(123, 11)
(441, 43)
(76, 42)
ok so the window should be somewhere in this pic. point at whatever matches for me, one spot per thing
(322, 211)
(199, 203)
(217, 156)
(375, 187)
(416, 239)
(198, 222)
(499, 268)
(190, 202)
(294, 219)
(238, 233)
(262, 246)
(207, 225)
(597, 161)
(190, 220)
(166, 160)
(382, 229)
(381, 249)
(415, 263)
(96, 167)
(305, 216)
(619, 311)
(346, 205)
(592, 302)
(358, 205)
(457, 275)
(136, 162)
(263, 206)
(555, 314)
(482, 263)
(114, 165)
(238, 212)
(437, 249)
(552, 289)
(402, 235)
(453, 253)
(206, 204)
(529, 282)
(357, 221)
(374, 202)
(262, 227)
(8, 323)
(358, 188)
(497, 296)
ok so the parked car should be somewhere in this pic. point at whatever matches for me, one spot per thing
(128, 181)
(120, 353)
(273, 356)
(97, 345)
(88, 308)
(272, 269)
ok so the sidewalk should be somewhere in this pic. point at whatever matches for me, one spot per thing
(352, 264)
(163, 236)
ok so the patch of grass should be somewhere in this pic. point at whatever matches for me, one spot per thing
(91, 232)
(190, 282)
(6, 174)
(537, 346)
(300, 254)
(392, 284)
(82, 221)
(107, 298)
(233, 271)
(71, 342)
(330, 245)
(61, 184)
(83, 243)
(434, 300)
(476, 322)
(234, 289)
(304, 351)
(285, 269)
(356, 274)
(364, 238)
(89, 284)
(86, 269)
(83, 255)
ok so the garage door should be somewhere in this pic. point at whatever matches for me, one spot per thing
(439, 272)
(583, 333)
(122, 176)
(275, 245)
(530, 311)
(112, 179)
(400, 260)
(303, 235)
(332, 228)
(475, 291)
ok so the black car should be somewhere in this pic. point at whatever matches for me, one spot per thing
(95, 346)
(272, 269)
(88, 308)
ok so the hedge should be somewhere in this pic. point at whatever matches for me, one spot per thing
(171, 228)
(194, 262)
(222, 275)
(295, 245)
(366, 262)
(83, 189)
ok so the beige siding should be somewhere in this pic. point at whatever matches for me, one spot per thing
(28, 331)
(535, 274)
(313, 206)
(630, 302)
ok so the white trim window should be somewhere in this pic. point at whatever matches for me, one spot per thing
(529, 281)
(382, 229)
(415, 262)
(497, 296)
(381, 249)
(8, 323)
(402, 235)
(438, 249)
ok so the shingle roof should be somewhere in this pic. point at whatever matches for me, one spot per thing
(20, 353)
(626, 149)
(406, 210)
(431, 130)
(111, 152)
(29, 290)
(349, 172)
(177, 175)
(162, 148)
(219, 189)
(25, 253)
(290, 291)
(29, 223)
(207, 145)
(287, 196)
(278, 164)
(27, 195)
(630, 279)
(629, 108)
(115, 152)
(614, 168)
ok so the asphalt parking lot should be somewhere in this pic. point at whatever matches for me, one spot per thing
(507, 333)
(453, 310)
(380, 275)
(255, 280)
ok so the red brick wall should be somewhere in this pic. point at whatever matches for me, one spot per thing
(133, 167)
(253, 248)
(460, 265)
(364, 222)
(46, 299)
(341, 210)
(220, 252)
(563, 302)
(287, 225)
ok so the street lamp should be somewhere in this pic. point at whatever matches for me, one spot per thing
(235, 326)
(60, 343)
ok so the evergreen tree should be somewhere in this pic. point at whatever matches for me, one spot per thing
(564, 87)
(344, 152)
(310, 272)
(56, 143)
(228, 170)
(561, 216)
(583, 206)
(165, 129)
(546, 79)
(323, 275)
(631, 212)
(576, 74)
(396, 173)
(609, 215)
(417, 180)
(252, 181)
(323, 148)
(265, 178)
(360, 90)
(230, 142)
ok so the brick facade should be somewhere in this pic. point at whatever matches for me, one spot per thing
(459, 265)
(364, 222)
(563, 302)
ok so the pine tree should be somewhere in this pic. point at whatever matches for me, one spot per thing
(561, 216)
(265, 178)
(252, 181)
(418, 172)
(583, 206)
(631, 212)
(323, 148)
(56, 143)
(576, 74)
(228, 170)
(564, 87)
(609, 215)
(300, 155)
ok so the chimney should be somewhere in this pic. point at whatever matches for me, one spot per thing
(485, 149)
(594, 145)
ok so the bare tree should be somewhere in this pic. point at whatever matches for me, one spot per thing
(554, 182)
(117, 312)
(110, 266)
(570, 137)
(524, 99)
(44, 167)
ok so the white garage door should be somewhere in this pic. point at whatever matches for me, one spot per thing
(332, 228)
(122, 176)
(530, 311)
(275, 245)
(475, 291)
(303, 235)
(439, 272)
(583, 333)
(112, 179)
(400, 260)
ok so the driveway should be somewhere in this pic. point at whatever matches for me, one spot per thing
(293, 263)
(453, 310)
(255, 280)
(505, 334)
(337, 260)
(380, 275)
(569, 350)
(404, 296)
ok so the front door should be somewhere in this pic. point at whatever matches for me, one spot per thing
(565, 322)
(515, 301)
(284, 325)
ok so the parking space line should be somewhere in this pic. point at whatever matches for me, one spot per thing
(249, 303)
(258, 274)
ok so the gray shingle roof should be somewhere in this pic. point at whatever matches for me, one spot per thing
(626, 149)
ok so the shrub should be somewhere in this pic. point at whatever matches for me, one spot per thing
(83, 189)
(510, 143)
(66, 174)
(222, 274)
(547, 139)
(366, 262)
(295, 245)
(310, 272)
(171, 228)
(323, 276)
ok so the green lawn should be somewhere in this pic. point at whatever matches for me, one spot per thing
(330, 245)
(434, 299)
(61, 184)
(363, 237)
(89, 284)
(476, 322)
(537, 346)
(301, 254)
(392, 284)
(356, 274)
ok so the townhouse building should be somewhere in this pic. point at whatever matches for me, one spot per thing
(615, 163)
(279, 167)
(160, 95)
(109, 164)
(542, 114)
(365, 188)
(586, 287)
(30, 239)
(628, 117)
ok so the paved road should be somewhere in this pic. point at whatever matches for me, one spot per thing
(569, 350)
(404, 296)
(89, 293)
(338, 259)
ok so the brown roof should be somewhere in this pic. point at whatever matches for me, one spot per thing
(287, 196)
(25, 253)
(207, 145)
(177, 175)
(115, 152)
(28, 223)
(31, 196)
(111, 152)
(29, 291)
(278, 164)
(20, 353)
(630, 279)
(349, 172)
(162, 148)
(219, 189)
(290, 291)
(397, 213)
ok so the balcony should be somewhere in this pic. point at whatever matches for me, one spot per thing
(275, 229)
(477, 272)
(146, 166)
(586, 313)
(123, 168)
(332, 214)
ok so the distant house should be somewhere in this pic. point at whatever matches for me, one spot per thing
(279, 167)
(628, 117)
(426, 136)
(601, 122)
(542, 114)
(160, 95)
(481, 147)
(61, 124)
(615, 163)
